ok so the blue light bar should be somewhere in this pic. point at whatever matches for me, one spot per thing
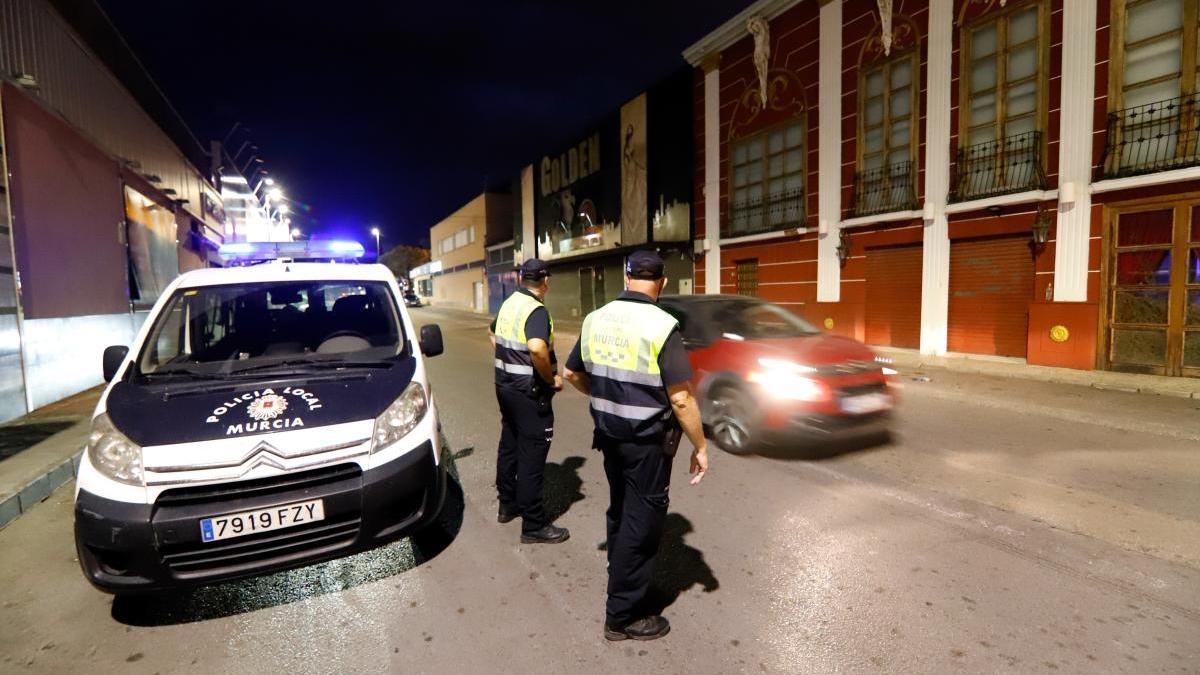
(320, 249)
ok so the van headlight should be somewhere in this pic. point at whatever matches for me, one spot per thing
(401, 417)
(112, 454)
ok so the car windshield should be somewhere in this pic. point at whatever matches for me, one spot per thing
(761, 320)
(225, 330)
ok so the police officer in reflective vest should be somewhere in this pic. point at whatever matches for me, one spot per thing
(526, 379)
(631, 364)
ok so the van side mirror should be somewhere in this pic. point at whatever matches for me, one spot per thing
(114, 356)
(431, 340)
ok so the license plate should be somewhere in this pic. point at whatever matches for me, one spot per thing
(866, 403)
(261, 520)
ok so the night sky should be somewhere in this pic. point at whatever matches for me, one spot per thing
(394, 113)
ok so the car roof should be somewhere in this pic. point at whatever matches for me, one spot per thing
(285, 271)
(698, 300)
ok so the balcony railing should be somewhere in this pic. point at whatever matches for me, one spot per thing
(1011, 164)
(1153, 137)
(774, 212)
(886, 189)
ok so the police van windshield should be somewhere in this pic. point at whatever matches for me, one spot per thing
(224, 330)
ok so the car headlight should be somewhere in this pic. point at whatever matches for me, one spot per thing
(885, 364)
(788, 380)
(401, 417)
(112, 454)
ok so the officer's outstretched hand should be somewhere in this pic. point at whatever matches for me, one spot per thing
(699, 464)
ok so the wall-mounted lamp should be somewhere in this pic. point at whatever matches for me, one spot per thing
(1041, 229)
(843, 247)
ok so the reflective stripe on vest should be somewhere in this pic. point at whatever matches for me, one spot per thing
(619, 345)
(514, 365)
(514, 368)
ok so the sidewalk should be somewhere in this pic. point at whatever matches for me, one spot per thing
(39, 452)
(911, 360)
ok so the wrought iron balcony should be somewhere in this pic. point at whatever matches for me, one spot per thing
(1153, 137)
(776, 211)
(886, 189)
(1011, 164)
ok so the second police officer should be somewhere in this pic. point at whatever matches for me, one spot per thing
(630, 362)
(526, 379)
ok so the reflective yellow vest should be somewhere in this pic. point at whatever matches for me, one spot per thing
(514, 366)
(619, 345)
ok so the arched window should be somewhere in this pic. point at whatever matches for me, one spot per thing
(888, 114)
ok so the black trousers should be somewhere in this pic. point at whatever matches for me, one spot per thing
(526, 429)
(639, 474)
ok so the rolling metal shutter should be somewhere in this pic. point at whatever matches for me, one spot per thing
(893, 312)
(991, 285)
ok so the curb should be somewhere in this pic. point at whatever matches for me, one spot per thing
(38, 489)
(1095, 379)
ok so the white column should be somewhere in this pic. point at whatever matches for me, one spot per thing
(1075, 151)
(712, 174)
(528, 231)
(935, 258)
(829, 152)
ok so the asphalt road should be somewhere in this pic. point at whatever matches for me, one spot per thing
(1008, 527)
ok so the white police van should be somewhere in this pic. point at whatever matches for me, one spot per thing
(268, 416)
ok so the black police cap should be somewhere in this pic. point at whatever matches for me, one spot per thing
(534, 269)
(646, 265)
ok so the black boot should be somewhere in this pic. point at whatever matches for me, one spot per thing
(648, 628)
(547, 535)
(505, 515)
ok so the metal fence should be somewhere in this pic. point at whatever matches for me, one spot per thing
(1011, 164)
(1152, 137)
(776, 211)
(888, 188)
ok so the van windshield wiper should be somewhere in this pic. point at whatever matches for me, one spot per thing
(313, 365)
(182, 372)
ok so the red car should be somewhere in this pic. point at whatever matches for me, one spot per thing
(763, 375)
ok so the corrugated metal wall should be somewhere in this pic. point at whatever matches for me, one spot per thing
(73, 82)
(893, 313)
(12, 373)
(991, 285)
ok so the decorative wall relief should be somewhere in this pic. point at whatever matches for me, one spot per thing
(761, 31)
(784, 100)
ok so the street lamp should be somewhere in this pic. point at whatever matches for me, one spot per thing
(375, 233)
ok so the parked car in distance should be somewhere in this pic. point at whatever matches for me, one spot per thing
(411, 299)
(765, 376)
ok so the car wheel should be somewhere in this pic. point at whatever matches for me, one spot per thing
(731, 421)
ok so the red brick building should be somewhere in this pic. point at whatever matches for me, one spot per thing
(1015, 178)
